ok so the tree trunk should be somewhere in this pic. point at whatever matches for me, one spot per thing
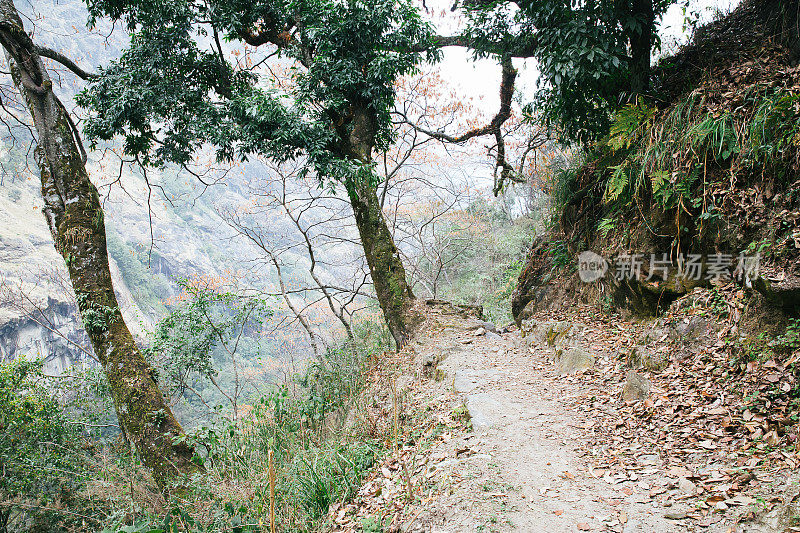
(75, 217)
(641, 41)
(385, 267)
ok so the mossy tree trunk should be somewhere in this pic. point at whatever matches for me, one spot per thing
(75, 217)
(385, 266)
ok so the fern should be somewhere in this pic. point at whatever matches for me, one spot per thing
(629, 124)
(606, 226)
(618, 182)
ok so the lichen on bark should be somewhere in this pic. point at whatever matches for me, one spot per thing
(75, 217)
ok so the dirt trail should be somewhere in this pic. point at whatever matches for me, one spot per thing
(531, 458)
(523, 470)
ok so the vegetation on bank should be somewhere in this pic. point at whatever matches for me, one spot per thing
(68, 468)
(677, 168)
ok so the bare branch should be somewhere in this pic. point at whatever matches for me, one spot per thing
(67, 62)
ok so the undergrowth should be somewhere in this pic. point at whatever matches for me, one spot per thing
(667, 157)
(686, 159)
(317, 462)
(317, 458)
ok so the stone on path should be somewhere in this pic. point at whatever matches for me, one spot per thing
(636, 387)
(484, 410)
(571, 360)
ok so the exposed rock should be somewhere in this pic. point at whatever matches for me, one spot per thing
(483, 409)
(636, 387)
(571, 360)
(51, 333)
(467, 379)
(485, 325)
(427, 364)
(647, 460)
(558, 332)
(532, 286)
(464, 311)
(648, 298)
(686, 486)
(783, 517)
(552, 333)
(784, 293)
(692, 329)
(643, 357)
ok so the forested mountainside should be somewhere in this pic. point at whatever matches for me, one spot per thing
(39, 315)
(37, 296)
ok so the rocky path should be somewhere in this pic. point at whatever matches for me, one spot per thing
(523, 470)
(509, 433)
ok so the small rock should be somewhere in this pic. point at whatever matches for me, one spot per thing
(643, 357)
(686, 486)
(647, 460)
(675, 515)
(636, 387)
(479, 332)
(489, 326)
(572, 360)
(428, 364)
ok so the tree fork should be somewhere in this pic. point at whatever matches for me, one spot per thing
(75, 217)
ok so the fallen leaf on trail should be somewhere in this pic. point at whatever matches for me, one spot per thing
(558, 512)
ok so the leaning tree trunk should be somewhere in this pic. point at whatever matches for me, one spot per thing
(385, 266)
(75, 217)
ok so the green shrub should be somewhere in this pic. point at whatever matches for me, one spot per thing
(43, 468)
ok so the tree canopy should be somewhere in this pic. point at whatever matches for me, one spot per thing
(176, 88)
(591, 55)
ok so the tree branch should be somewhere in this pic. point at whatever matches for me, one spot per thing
(509, 76)
(67, 62)
(443, 41)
